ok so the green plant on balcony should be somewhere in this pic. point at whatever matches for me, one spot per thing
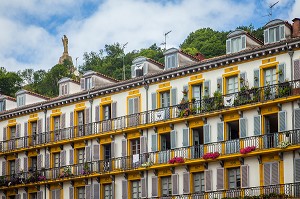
(67, 172)
(86, 169)
(187, 111)
(3, 181)
(218, 100)
(254, 91)
(147, 164)
(284, 89)
(183, 104)
(283, 144)
(267, 92)
(185, 92)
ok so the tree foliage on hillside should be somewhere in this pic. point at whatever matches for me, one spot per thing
(109, 61)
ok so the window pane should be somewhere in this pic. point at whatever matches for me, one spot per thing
(196, 92)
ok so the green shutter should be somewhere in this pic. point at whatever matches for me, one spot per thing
(173, 96)
(153, 98)
(282, 121)
(257, 125)
(185, 137)
(206, 132)
(281, 74)
(173, 136)
(243, 127)
(154, 142)
(220, 126)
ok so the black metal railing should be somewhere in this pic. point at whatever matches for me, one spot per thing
(207, 104)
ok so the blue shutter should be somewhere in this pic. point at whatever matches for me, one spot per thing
(154, 186)
(124, 189)
(173, 136)
(153, 98)
(154, 142)
(185, 137)
(257, 125)
(173, 96)
(297, 118)
(282, 121)
(281, 77)
(96, 190)
(244, 176)
(186, 182)
(206, 132)
(256, 78)
(220, 178)
(243, 127)
(220, 131)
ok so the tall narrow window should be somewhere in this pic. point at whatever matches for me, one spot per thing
(106, 112)
(165, 99)
(56, 160)
(80, 122)
(196, 92)
(107, 191)
(136, 189)
(234, 178)
(166, 186)
(80, 156)
(88, 83)
(81, 193)
(135, 146)
(33, 161)
(12, 167)
(199, 185)
(232, 84)
(270, 76)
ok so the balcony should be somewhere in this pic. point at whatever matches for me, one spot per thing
(280, 191)
(252, 146)
(177, 113)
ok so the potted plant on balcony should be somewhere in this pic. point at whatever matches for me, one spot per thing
(66, 172)
(3, 181)
(267, 92)
(185, 92)
(147, 164)
(86, 169)
(176, 160)
(218, 102)
(283, 144)
(247, 149)
(212, 155)
(284, 89)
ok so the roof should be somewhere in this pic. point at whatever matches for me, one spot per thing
(67, 79)
(238, 32)
(7, 97)
(275, 22)
(88, 73)
(23, 91)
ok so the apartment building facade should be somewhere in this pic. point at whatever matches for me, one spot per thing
(223, 127)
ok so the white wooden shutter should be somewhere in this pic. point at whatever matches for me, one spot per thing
(297, 69)
(220, 126)
(173, 96)
(154, 186)
(207, 179)
(297, 118)
(266, 36)
(88, 191)
(243, 39)
(297, 170)
(153, 99)
(282, 121)
(228, 46)
(206, 132)
(257, 125)
(175, 184)
(96, 191)
(243, 127)
(220, 178)
(87, 154)
(267, 172)
(124, 189)
(144, 188)
(153, 142)
(185, 137)
(96, 152)
(186, 182)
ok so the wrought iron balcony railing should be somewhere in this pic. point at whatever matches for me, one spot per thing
(205, 105)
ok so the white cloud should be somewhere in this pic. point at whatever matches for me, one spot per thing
(31, 31)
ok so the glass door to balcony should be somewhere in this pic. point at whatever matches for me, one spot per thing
(233, 142)
(197, 146)
(271, 131)
(106, 122)
(165, 103)
(196, 94)
(135, 152)
(165, 148)
(56, 128)
(80, 123)
(270, 80)
(107, 157)
(80, 160)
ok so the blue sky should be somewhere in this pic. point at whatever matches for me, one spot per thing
(31, 30)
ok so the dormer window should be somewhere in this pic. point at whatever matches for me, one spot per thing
(139, 70)
(235, 44)
(64, 89)
(88, 83)
(20, 100)
(2, 105)
(171, 61)
(274, 34)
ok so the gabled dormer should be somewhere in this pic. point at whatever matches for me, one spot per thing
(142, 66)
(239, 40)
(175, 58)
(68, 86)
(92, 79)
(7, 103)
(276, 30)
(25, 97)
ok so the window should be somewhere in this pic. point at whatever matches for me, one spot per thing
(80, 156)
(166, 186)
(33, 195)
(13, 132)
(106, 112)
(108, 191)
(80, 122)
(2, 105)
(235, 44)
(64, 89)
(20, 100)
(56, 160)
(88, 83)
(164, 99)
(199, 185)
(270, 76)
(107, 151)
(133, 105)
(196, 91)
(33, 163)
(171, 61)
(165, 142)
(33, 128)
(136, 189)
(12, 167)
(271, 173)
(274, 34)
(234, 178)
(81, 192)
(232, 84)
(56, 123)
(135, 146)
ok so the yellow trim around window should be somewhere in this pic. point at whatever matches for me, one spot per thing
(269, 110)
(102, 104)
(193, 83)
(228, 75)
(264, 67)
(52, 116)
(137, 95)
(162, 90)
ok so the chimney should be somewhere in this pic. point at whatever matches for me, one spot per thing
(296, 27)
(200, 56)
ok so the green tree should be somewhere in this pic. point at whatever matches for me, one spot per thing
(258, 33)
(207, 41)
(10, 82)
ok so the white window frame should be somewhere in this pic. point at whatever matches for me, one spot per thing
(21, 100)
(236, 84)
(274, 35)
(82, 189)
(88, 82)
(168, 180)
(240, 44)
(107, 188)
(201, 182)
(171, 58)
(2, 105)
(138, 189)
